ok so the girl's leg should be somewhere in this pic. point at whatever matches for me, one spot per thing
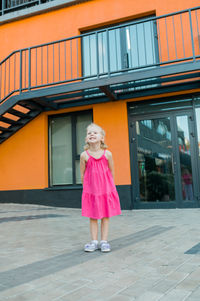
(94, 228)
(104, 228)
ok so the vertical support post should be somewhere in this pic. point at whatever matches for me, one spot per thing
(0, 81)
(14, 70)
(5, 79)
(138, 56)
(144, 38)
(47, 64)
(197, 28)
(159, 41)
(182, 35)
(59, 60)
(174, 37)
(97, 53)
(71, 58)
(167, 38)
(65, 60)
(192, 36)
(41, 64)
(36, 66)
(25, 69)
(108, 51)
(3, 6)
(29, 69)
(77, 57)
(9, 76)
(53, 63)
(20, 71)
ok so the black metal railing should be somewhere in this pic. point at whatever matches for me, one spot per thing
(8, 6)
(148, 43)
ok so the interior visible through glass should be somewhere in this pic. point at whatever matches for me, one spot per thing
(154, 153)
(61, 151)
(185, 158)
(131, 46)
(81, 125)
(198, 127)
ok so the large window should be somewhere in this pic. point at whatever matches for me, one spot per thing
(66, 140)
(128, 46)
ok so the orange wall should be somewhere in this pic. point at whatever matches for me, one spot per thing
(113, 118)
(24, 156)
(68, 21)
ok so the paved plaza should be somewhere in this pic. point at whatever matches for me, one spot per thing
(155, 256)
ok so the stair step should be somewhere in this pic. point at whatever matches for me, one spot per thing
(16, 116)
(8, 120)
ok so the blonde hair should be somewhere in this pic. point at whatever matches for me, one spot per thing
(103, 145)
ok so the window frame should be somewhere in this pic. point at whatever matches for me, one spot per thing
(75, 155)
(124, 56)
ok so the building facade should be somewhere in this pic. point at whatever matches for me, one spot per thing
(131, 67)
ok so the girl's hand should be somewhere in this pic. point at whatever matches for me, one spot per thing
(110, 162)
(83, 160)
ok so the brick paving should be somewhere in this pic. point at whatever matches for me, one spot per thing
(155, 256)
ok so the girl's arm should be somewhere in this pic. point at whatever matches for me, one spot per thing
(82, 165)
(110, 162)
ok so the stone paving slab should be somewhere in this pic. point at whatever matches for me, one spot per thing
(42, 257)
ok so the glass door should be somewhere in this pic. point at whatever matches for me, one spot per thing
(187, 159)
(164, 172)
(153, 172)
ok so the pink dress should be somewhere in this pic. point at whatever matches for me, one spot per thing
(99, 198)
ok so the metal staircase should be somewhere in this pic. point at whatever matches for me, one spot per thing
(15, 116)
(73, 72)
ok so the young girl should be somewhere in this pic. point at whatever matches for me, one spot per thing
(100, 199)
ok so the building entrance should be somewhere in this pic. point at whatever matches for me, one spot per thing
(165, 160)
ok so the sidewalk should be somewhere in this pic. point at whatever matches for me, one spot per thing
(155, 256)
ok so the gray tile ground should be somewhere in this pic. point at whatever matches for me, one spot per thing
(42, 258)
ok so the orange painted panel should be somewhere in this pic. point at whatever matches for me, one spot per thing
(112, 117)
(24, 157)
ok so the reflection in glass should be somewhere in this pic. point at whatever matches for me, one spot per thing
(140, 44)
(81, 124)
(185, 157)
(132, 46)
(78, 174)
(198, 126)
(61, 151)
(154, 154)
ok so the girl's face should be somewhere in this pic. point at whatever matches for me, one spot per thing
(94, 135)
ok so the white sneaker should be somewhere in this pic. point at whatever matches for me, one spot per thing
(91, 247)
(105, 246)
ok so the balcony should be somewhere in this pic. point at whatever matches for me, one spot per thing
(142, 57)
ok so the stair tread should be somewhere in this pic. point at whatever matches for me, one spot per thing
(8, 120)
(32, 110)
